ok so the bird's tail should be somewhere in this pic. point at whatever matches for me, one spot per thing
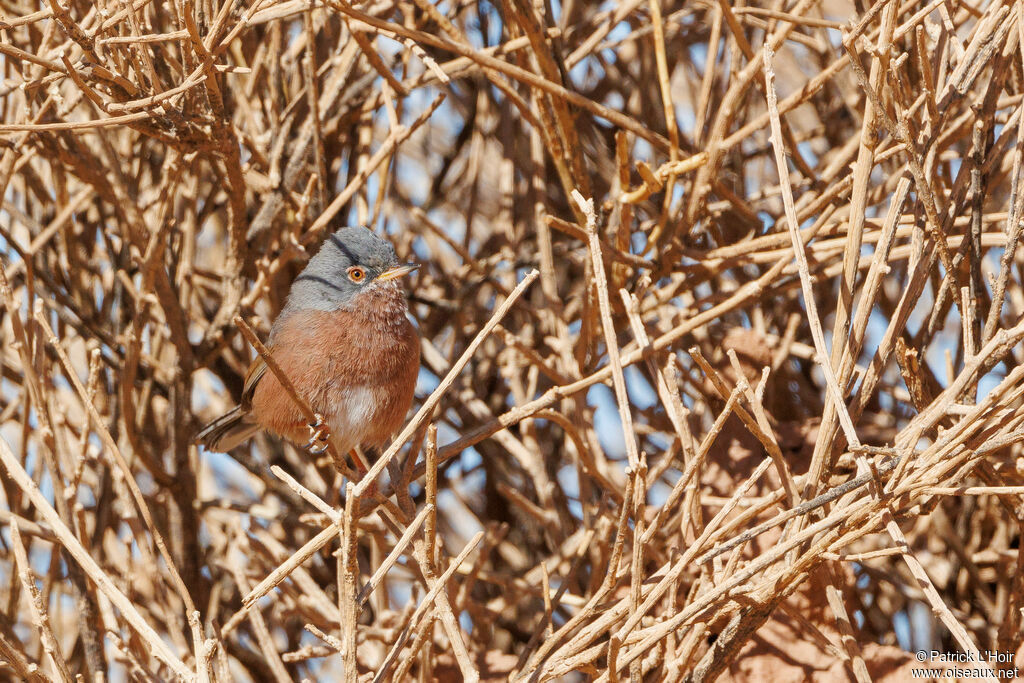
(228, 430)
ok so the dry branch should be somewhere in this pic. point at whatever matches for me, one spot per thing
(763, 405)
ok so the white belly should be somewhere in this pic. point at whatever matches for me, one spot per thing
(352, 418)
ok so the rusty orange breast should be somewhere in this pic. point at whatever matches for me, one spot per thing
(357, 367)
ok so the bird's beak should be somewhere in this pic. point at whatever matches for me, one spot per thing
(397, 272)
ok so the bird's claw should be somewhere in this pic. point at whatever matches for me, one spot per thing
(319, 434)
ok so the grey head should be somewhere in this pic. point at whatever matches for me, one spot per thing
(350, 262)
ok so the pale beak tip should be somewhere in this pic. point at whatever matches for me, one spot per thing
(399, 271)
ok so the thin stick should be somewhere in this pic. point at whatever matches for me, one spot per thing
(349, 565)
(38, 610)
(93, 570)
(396, 552)
(435, 397)
(611, 343)
(801, 257)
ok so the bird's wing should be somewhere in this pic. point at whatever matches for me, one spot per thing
(257, 369)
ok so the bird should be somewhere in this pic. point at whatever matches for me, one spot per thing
(345, 342)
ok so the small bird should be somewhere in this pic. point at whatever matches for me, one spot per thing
(345, 342)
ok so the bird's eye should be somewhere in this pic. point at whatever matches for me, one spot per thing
(356, 274)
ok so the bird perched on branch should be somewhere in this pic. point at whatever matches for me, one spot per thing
(344, 341)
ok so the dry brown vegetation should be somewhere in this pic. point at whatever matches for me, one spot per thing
(757, 412)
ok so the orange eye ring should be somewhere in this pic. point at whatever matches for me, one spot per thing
(356, 274)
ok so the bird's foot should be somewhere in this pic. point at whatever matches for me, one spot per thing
(319, 435)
